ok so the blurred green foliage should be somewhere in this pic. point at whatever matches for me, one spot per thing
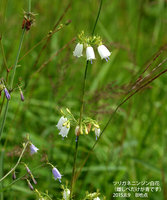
(133, 147)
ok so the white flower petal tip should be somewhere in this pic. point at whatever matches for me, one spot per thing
(104, 52)
(97, 132)
(60, 123)
(33, 149)
(78, 50)
(90, 54)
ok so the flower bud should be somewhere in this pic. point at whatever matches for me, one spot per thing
(30, 186)
(14, 176)
(7, 94)
(21, 96)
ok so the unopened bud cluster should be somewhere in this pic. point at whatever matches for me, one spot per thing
(3, 88)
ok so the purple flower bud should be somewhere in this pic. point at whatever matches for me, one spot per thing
(22, 96)
(7, 94)
(30, 186)
(56, 174)
(33, 179)
(33, 149)
(14, 176)
(28, 170)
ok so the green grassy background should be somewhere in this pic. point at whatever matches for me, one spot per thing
(133, 147)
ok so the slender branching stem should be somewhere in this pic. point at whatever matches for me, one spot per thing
(17, 57)
(7, 105)
(3, 55)
(18, 162)
(97, 18)
(7, 71)
(1, 171)
(11, 84)
(29, 6)
(82, 108)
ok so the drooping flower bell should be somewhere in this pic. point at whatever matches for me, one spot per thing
(56, 174)
(97, 132)
(33, 149)
(60, 123)
(7, 94)
(64, 130)
(90, 54)
(104, 52)
(66, 194)
(64, 126)
(78, 50)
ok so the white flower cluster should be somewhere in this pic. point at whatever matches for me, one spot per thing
(67, 119)
(102, 50)
(64, 126)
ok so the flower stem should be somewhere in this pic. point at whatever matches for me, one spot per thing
(97, 18)
(1, 171)
(82, 108)
(6, 109)
(17, 57)
(29, 6)
(21, 155)
(11, 83)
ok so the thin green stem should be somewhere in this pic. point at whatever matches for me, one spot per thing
(1, 171)
(11, 83)
(97, 18)
(4, 118)
(83, 94)
(29, 6)
(125, 99)
(7, 70)
(3, 54)
(21, 155)
(82, 108)
(17, 57)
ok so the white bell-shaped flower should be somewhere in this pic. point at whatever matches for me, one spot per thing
(60, 123)
(97, 198)
(78, 50)
(64, 131)
(104, 52)
(66, 194)
(90, 54)
(97, 132)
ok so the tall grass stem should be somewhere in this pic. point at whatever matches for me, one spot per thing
(82, 107)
